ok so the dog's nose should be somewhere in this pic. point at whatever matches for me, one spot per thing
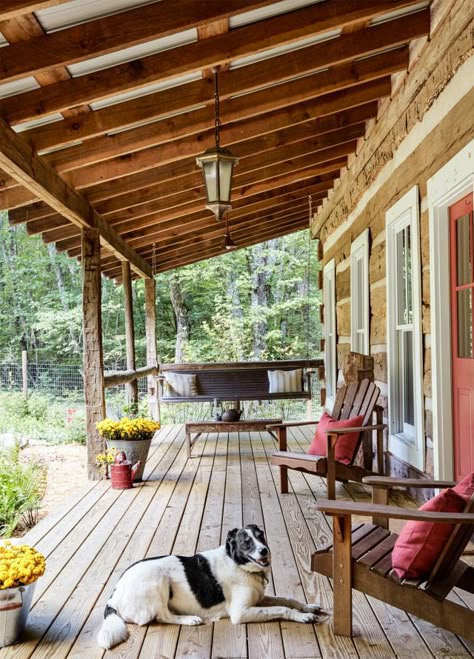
(263, 551)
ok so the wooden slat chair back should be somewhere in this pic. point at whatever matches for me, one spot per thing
(360, 557)
(355, 399)
(445, 573)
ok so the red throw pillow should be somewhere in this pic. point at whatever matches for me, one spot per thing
(465, 488)
(420, 543)
(345, 445)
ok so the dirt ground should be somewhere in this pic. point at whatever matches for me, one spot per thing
(67, 471)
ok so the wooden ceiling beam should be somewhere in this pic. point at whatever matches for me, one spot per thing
(163, 227)
(217, 230)
(194, 197)
(213, 230)
(146, 179)
(254, 189)
(217, 248)
(15, 8)
(234, 110)
(114, 32)
(165, 153)
(216, 50)
(179, 205)
(170, 184)
(199, 250)
(237, 81)
(177, 235)
(18, 160)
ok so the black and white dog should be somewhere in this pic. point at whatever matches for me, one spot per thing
(225, 582)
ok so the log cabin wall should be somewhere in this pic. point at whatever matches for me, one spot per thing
(426, 123)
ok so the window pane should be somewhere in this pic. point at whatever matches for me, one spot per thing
(408, 276)
(404, 271)
(464, 303)
(463, 251)
(408, 393)
(360, 295)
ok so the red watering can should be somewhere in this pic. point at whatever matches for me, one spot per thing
(122, 473)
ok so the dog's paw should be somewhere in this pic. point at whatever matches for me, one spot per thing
(322, 614)
(301, 616)
(193, 620)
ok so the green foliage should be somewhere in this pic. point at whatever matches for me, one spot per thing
(21, 489)
(41, 418)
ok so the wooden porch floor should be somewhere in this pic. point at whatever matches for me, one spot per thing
(187, 505)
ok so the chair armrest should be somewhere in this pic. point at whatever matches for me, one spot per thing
(292, 424)
(340, 508)
(388, 481)
(343, 431)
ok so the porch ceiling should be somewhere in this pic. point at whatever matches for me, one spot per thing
(105, 105)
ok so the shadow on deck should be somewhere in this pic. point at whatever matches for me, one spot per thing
(187, 505)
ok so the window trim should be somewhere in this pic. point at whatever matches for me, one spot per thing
(407, 208)
(330, 352)
(360, 249)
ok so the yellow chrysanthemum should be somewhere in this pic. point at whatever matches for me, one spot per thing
(19, 565)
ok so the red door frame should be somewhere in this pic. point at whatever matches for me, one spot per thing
(462, 367)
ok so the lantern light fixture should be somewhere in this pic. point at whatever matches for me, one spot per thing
(229, 244)
(217, 164)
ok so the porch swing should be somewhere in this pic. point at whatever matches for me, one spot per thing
(239, 381)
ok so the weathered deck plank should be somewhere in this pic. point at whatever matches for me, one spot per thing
(188, 505)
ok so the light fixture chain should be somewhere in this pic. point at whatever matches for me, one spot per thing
(217, 121)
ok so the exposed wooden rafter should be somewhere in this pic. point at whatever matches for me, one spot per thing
(122, 159)
(19, 161)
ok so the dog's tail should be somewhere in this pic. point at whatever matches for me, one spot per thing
(113, 630)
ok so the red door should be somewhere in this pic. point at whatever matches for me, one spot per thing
(462, 294)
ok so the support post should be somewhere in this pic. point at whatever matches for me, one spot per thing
(24, 373)
(132, 387)
(94, 392)
(151, 358)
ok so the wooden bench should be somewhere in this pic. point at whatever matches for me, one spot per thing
(249, 425)
(237, 381)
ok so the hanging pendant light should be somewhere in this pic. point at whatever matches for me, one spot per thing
(228, 242)
(217, 164)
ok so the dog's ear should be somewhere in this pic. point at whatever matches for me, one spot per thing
(230, 542)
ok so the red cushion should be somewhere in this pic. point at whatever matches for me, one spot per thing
(421, 543)
(465, 488)
(345, 445)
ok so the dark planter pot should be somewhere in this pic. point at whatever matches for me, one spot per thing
(135, 450)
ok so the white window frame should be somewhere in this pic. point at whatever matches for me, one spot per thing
(360, 298)
(406, 446)
(330, 334)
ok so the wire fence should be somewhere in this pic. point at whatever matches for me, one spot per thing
(58, 380)
(65, 381)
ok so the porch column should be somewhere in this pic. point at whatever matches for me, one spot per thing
(151, 358)
(94, 392)
(132, 387)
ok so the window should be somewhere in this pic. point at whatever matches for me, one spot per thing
(329, 291)
(360, 294)
(404, 331)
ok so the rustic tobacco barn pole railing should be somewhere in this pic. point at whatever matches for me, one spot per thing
(114, 378)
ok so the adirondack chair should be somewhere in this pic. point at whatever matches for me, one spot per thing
(356, 399)
(360, 558)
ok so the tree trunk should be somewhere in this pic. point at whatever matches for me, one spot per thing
(260, 266)
(181, 316)
(62, 294)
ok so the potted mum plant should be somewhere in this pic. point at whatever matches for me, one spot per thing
(132, 436)
(20, 567)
